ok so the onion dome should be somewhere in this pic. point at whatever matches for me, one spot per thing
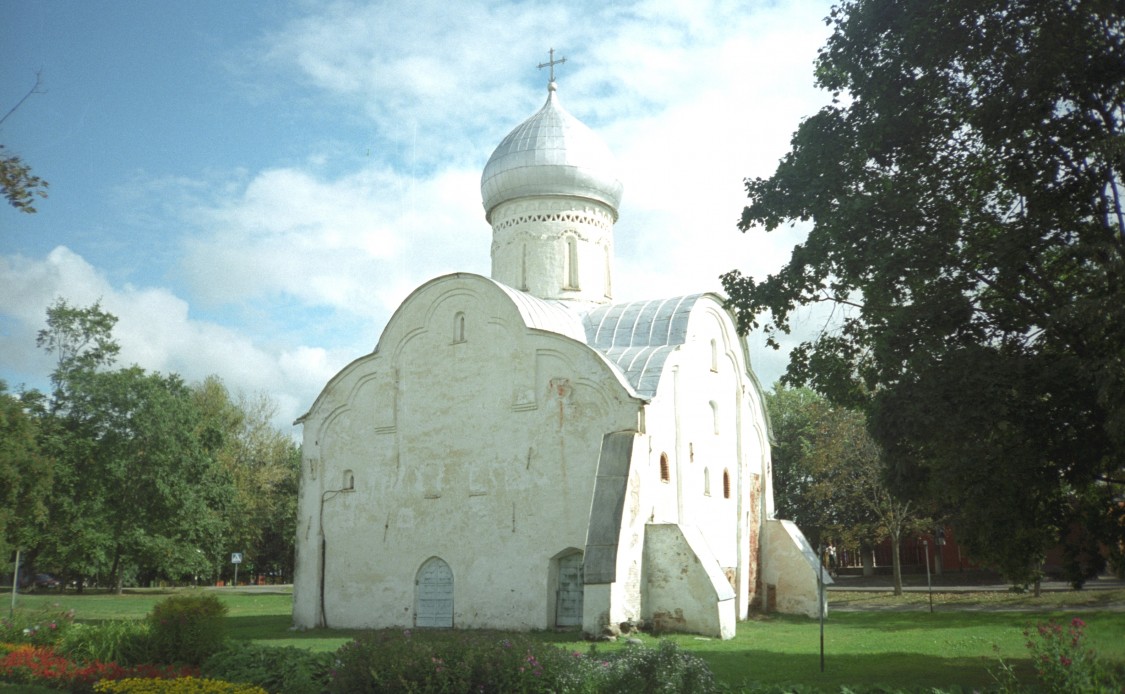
(552, 153)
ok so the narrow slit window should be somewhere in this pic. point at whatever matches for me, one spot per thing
(715, 415)
(608, 272)
(571, 257)
(707, 481)
(459, 327)
(726, 484)
(665, 468)
(349, 481)
(523, 267)
(715, 356)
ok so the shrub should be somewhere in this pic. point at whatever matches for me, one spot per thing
(277, 670)
(488, 662)
(665, 668)
(182, 685)
(122, 641)
(1063, 663)
(186, 628)
(446, 662)
(42, 629)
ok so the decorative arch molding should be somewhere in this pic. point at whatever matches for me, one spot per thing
(561, 210)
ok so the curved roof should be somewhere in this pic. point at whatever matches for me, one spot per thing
(551, 316)
(551, 153)
(635, 338)
(639, 336)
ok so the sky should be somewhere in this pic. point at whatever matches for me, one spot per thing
(254, 188)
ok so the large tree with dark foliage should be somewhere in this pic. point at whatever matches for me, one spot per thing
(963, 191)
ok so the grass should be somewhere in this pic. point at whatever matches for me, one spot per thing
(870, 638)
(898, 649)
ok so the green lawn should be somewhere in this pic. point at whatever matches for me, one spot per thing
(894, 642)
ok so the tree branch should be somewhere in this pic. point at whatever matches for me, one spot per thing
(34, 90)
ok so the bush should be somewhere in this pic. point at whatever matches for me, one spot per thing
(187, 628)
(277, 670)
(1064, 664)
(665, 668)
(391, 661)
(488, 662)
(42, 629)
(126, 642)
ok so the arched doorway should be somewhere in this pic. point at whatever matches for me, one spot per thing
(433, 595)
(568, 605)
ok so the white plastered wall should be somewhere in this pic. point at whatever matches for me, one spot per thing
(479, 448)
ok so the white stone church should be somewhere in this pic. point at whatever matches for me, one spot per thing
(520, 452)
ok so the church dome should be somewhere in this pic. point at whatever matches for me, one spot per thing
(552, 153)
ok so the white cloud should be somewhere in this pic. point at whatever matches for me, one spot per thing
(334, 243)
(154, 329)
(692, 98)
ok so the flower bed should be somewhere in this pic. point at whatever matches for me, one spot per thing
(41, 665)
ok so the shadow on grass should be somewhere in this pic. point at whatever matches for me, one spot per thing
(927, 621)
(896, 670)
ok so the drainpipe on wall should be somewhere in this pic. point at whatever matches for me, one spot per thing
(679, 454)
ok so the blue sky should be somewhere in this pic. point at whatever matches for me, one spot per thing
(252, 188)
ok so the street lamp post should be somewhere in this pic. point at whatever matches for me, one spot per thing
(929, 585)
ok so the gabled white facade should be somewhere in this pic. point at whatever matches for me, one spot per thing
(520, 453)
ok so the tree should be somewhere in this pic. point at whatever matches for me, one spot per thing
(964, 192)
(81, 340)
(161, 497)
(264, 465)
(25, 473)
(20, 186)
(850, 471)
(137, 495)
(830, 472)
(793, 416)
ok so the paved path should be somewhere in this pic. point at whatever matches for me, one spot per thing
(949, 583)
(881, 585)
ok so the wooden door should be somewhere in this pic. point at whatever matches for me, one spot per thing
(434, 595)
(568, 609)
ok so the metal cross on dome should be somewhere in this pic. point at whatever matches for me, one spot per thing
(552, 63)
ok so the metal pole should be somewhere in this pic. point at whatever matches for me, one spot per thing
(820, 599)
(929, 586)
(15, 584)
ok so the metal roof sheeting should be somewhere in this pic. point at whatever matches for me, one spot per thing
(638, 336)
(551, 153)
(552, 316)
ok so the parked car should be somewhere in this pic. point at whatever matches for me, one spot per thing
(46, 581)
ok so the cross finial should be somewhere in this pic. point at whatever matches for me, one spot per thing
(552, 63)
